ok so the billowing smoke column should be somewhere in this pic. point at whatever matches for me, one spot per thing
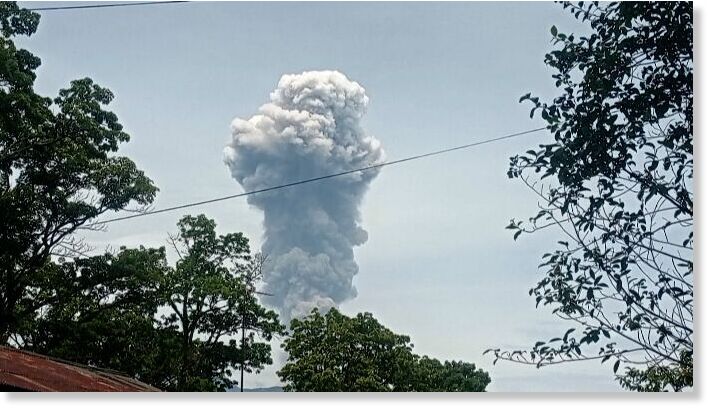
(309, 128)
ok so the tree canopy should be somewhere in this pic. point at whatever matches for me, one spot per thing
(336, 353)
(210, 302)
(102, 311)
(59, 169)
(617, 183)
(176, 328)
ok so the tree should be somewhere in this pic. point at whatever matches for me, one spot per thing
(101, 311)
(617, 183)
(209, 302)
(253, 317)
(172, 327)
(431, 375)
(58, 169)
(336, 353)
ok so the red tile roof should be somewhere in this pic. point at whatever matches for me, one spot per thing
(34, 372)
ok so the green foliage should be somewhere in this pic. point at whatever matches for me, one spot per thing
(58, 168)
(172, 327)
(101, 310)
(617, 182)
(336, 353)
(431, 375)
(17, 21)
(660, 378)
(210, 301)
(332, 352)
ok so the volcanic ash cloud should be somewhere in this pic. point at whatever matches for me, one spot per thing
(311, 127)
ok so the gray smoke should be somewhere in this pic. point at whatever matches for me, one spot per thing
(309, 128)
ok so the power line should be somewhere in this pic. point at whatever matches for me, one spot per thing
(330, 176)
(96, 6)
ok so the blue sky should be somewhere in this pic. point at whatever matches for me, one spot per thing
(438, 265)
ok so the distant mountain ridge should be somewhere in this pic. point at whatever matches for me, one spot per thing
(266, 389)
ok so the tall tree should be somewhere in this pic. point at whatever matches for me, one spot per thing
(336, 353)
(209, 300)
(58, 168)
(617, 183)
(254, 317)
(102, 311)
(177, 328)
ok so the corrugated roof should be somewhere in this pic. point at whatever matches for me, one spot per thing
(40, 373)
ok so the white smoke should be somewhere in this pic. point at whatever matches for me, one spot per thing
(309, 128)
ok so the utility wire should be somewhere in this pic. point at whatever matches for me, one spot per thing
(330, 176)
(96, 6)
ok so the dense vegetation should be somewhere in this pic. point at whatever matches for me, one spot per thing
(336, 353)
(58, 170)
(177, 328)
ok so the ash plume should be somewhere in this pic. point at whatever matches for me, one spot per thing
(310, 127)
